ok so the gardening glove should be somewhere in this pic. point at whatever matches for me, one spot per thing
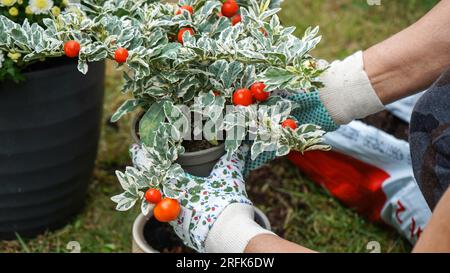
(216, 214)
(347, 95)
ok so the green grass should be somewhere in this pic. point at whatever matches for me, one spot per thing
(299, 210)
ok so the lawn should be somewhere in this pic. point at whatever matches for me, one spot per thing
(299, 210)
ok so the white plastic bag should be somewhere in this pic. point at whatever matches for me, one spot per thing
(405, 208)
(403, 108)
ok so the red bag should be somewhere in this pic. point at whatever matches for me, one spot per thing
(355, 183)
(369, 171)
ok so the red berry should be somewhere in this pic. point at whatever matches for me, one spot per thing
(72, 48)
(153, 196)
(188, 8)
(182, 31)
(121, 55)
(236, 19)
(167, 210)
(230, 8)
(242, 97)
(289, 123)
(258, 91)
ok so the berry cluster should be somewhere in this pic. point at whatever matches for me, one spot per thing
(166, 209)
(246, 97)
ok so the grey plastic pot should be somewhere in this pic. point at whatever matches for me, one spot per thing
(140, 245)
(49, 131)
(198, 163)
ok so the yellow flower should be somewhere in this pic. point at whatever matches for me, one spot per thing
(14, 56)
(56, 11)
(20, 2)
(13, 11)
(28, 10)
(41, 6)
(65, 3)
(7, 3)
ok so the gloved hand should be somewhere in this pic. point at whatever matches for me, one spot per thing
(346, 96)
(216, 214)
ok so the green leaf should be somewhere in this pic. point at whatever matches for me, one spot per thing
(231, 73)
(127, 107)
(145, 207)
(82, 66)
(275, 77)
(19, 37)
(150, 122)
(124, 201)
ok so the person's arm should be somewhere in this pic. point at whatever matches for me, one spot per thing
(398, 67)
(436, 237)
(413, 59)
(266, 243)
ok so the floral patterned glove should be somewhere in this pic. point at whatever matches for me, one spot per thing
(220, 196)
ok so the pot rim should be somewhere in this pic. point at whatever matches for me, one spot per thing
(138, 233)
(214, 149)
(38, 73)
(136, 139)
(141, 220)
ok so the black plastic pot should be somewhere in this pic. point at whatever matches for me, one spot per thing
(49, 131)
(199, 163)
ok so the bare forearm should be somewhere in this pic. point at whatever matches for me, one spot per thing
(273, 244)
(411, 60)
(436, 237)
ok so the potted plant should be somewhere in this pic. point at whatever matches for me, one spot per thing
(205, 68)
(49, 120)
(152, 236)
(198, 60)
(207, 77)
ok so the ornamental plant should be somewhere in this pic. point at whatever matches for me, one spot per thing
(194, 58)
(19, 11)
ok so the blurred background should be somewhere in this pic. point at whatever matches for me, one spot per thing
(298, 209)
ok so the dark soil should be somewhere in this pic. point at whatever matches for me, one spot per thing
(268, 175)
(161, 237)
(389, 123)
(197, 145)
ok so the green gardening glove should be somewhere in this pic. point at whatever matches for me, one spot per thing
(347, 95)
(309, 110)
